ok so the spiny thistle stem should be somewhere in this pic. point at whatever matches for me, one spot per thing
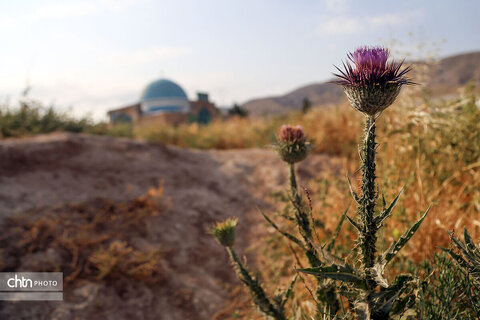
(366, 208)
(293, 182)
(324, 293)
(258, 294)
(302, 220)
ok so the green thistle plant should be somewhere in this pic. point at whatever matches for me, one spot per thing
(371, 85)
(293, 147)
(224, 233)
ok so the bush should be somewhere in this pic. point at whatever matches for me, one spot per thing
(446, 292)
(31, 117)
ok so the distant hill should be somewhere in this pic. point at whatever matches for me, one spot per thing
(456, 70)
(449, 74)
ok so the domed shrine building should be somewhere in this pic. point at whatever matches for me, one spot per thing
(164, 101)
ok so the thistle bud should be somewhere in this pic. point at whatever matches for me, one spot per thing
(291, 144)
(224, 232)
(372, 83)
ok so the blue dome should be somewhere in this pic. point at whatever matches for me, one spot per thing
(163, 89)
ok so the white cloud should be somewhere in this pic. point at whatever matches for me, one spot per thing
(341, 25)
(66, 10)
(344, 25)
(392, 19)
(336, 5)
(119, 5)
(384, 19)
(61, 10)
(145, 56)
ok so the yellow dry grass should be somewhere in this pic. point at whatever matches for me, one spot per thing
(87, 240)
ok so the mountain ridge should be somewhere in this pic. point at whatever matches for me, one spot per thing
(444, 76)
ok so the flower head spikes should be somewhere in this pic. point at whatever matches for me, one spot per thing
(370, 67)
(372, 83)
(291, 144)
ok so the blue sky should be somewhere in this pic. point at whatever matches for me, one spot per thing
(95, 55)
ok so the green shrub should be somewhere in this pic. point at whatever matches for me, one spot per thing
(446, 292)
(31, 117)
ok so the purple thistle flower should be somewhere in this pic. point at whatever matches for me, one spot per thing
(372, 83)
(291, 134)
(365, 58)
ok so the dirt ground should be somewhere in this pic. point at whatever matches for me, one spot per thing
(202, 187)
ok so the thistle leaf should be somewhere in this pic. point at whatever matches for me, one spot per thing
(285, 234)
(289, 291)
(387, 212)
(387, 297)
(384, 203)
(354, 194)
(354, 223)
(401, 282)
(377, 271)
(398, 245)
(336, 272)
(337, 230)
(327, 256)
(385, 306)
